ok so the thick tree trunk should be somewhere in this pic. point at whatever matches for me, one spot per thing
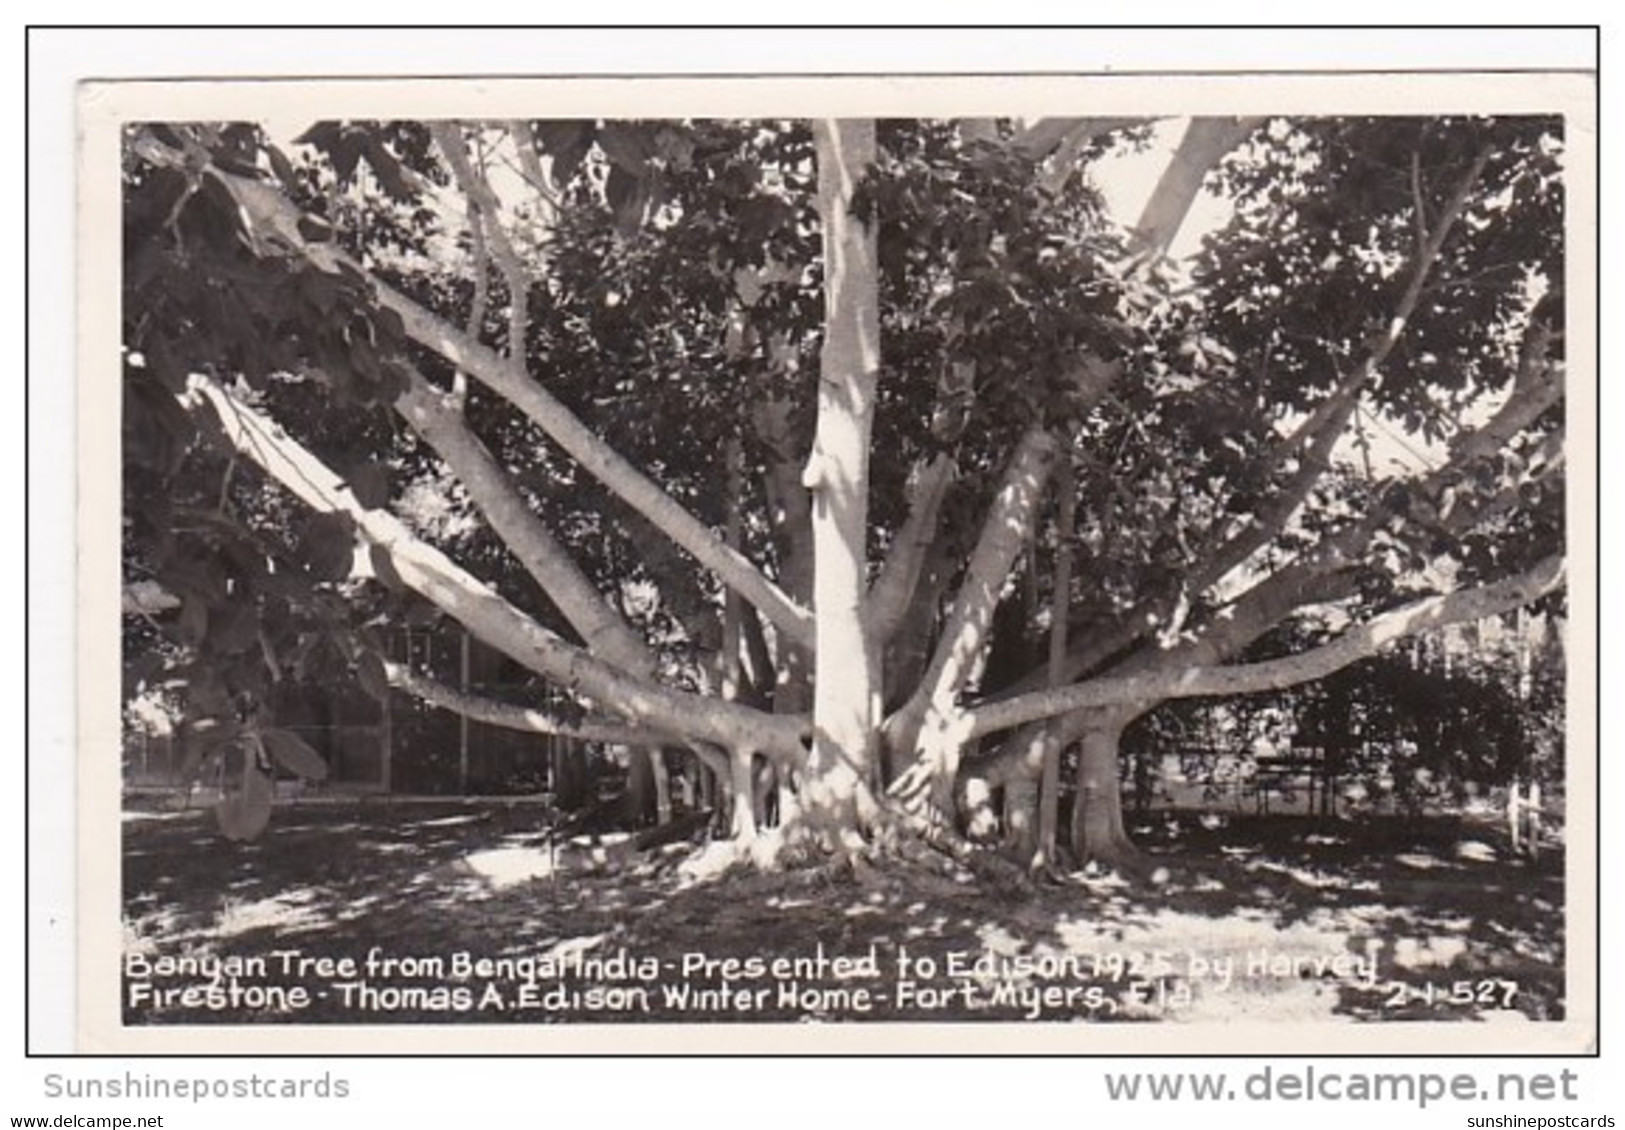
(1098, 835)
(836, 798)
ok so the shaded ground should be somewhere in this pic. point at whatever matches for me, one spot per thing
(376, 914)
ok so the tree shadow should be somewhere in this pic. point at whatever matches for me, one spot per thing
(1435, 918)
(1264, 919)
(341, 880)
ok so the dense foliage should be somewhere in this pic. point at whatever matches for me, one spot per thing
(566, 376)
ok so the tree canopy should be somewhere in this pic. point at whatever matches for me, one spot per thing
(874, 456)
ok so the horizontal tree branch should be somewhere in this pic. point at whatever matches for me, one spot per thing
(1249, 678)
(1262, 607)
(1314, 577)
(510, 716)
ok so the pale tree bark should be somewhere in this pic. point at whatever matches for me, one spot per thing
(891, 596)
(1353, 644)
(1057, 142)
(510, 716)
(835, 798)
(790, 518)
(605, 464)
(448, 138)
(926, 725)
(759, 672)
(487, 616)
(1311, 445)
(893, 607)
(1098, 709)
(1312, 442)
(1098, 835)
(264, 206)
(1047, 138)
(475, 324)
(434, 416)
(849, 633)
(1206, 142)
(1138, 683)
(1296, 586)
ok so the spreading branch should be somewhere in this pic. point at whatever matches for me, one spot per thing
(1003, 534)
(487, 215)
(1311, 444)
(509, 716)
(1303, 581)
(468, 600)
(893, 590)
(275, 220)
(1250, 678)
(1204, 145)
(436, 419)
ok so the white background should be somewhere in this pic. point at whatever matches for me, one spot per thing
(615, 1091)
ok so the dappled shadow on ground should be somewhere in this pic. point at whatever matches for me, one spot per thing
(376, 914)
(1436, 917)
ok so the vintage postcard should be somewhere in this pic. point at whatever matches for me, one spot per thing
(1096, 564)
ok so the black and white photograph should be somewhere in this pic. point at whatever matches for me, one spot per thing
(907, 565)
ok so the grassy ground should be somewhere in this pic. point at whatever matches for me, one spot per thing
(376, 914)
